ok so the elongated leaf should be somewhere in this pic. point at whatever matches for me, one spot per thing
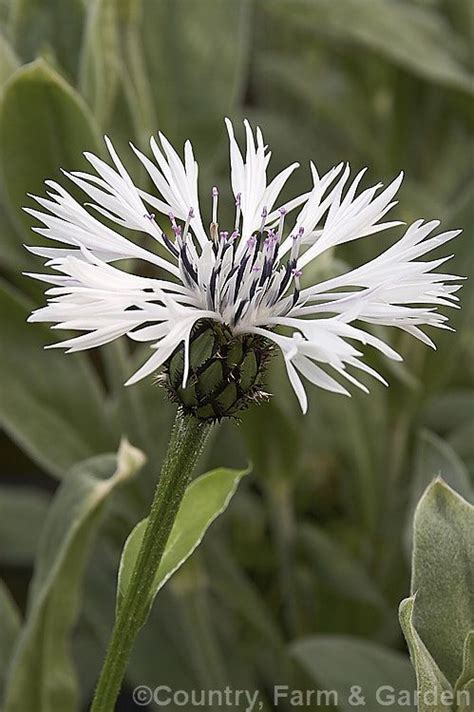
(406, 34)
(336, 568)
(435, 458)
(162, 649)
(450, 409)
(10, 623)
(272, 440)
(8, 60)
(350, 670)
(429, 677)
(38, 26)
(443, 558)
(238, 592)
(205, 499)
(13, 255)
(144, 412)
(51, 404)
(100, 61)
(19, 543)
(465, 683)
(210, 34)
(12, 252)
(464, 697)
(55, 592)
(44, 126)
(462, 440)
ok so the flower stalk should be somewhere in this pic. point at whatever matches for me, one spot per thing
(186, 444)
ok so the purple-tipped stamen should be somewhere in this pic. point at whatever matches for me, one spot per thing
(281, 224)
(215, 202)
(238, 211)
(186, 226)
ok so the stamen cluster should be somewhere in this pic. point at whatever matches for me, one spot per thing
(247, 278)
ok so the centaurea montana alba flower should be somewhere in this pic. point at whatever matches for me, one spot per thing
(241, 285)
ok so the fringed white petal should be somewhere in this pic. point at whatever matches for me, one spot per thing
(249, 278)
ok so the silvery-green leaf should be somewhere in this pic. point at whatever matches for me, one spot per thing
(465, 684)
(435, 458)
(205, 499)
(99, 60)
(39, 27)
(213, 38)
(430, 679)
(19, 504)
(44, 126)
(8, 61)
(357, 670)
(10, 622)
(464, 697)
(55, 592)
(416, 38)
(442, 575)
(51, 405)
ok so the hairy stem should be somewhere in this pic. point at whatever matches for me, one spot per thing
(186, 444)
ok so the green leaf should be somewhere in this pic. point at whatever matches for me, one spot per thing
(38, 27)
(442, 575)
(238, 592)
(216, 48)
(462, 440)
(13, 255)
(272, 439)
(44, 126)
(51, 404)
(55, 593)
(145, 413)
(336, 568)
(429, 677)
(10, 627)
(465, 685)
(435, 458)
(8, 61)
(354, 668)
(450, 409)
(415, 38)
(99, 71)
(19, 543)
(205, 499)
(464, 697)
(238, 595)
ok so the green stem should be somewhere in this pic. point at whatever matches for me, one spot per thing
(186, 444)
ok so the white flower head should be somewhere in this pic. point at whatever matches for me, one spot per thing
(246, 277)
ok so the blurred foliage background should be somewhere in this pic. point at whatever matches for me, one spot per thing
(316, 543)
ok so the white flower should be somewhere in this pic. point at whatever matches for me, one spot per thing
(247, 277)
